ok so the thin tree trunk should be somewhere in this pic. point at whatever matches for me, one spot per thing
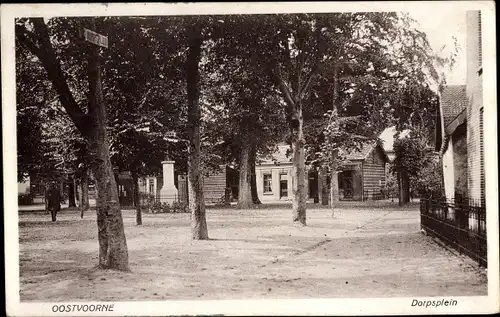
(78, 201)
(46, 198)
(82, 211)
(84, 184)
(298, 169)
(320, 185)
(199, 228)
(334, 182)
(323, 192)
(244, 191)
(71, 193)
(135, 189)
(113, 251)
(253, 178)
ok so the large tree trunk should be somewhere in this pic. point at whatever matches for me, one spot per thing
(135, 190)
(403, 187)
(195, 178)
(299, 168)
(253, 177)
(113, 252)
(71, 192)
(244, 191)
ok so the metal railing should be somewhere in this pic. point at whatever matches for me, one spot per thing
(459, 224)
(173, 203)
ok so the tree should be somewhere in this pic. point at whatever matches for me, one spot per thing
(35, 35)
(417, 167)
(144, 105)
(379, 59)
(195, 177)
(245, 118)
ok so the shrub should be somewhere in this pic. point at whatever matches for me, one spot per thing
(154, 206)
(25, 199)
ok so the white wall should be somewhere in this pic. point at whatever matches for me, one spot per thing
(23, 188)
(449, 171)
(275, 171)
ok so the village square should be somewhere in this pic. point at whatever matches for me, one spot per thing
(240, 156)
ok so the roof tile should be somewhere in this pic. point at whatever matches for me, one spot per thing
(453, 102)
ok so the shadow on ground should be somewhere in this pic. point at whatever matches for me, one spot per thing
(360, 252)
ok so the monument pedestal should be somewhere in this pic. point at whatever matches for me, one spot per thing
(168, 192)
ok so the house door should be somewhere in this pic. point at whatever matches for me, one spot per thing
(345, 183)
(283, 186)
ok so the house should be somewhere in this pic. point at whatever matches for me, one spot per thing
(274, 176)
(364, 174)
(459, 132)
(362, 177)
(452, 140)
(220, 185)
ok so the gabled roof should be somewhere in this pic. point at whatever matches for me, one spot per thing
(453, 103)
(361, 154)
(352, 154)
(452, 112)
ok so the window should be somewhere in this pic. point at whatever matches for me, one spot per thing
(267, 183)
(151, 186)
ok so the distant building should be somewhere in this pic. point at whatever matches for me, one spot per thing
(363, 177)
(274, 176)
(218, 185)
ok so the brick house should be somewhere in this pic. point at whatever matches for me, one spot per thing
(474, 87)
(459, 132)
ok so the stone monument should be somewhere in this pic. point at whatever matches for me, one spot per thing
(168, 192)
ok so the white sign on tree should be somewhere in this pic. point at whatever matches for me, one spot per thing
(96, 38)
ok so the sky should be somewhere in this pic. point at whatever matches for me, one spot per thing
(440, 27)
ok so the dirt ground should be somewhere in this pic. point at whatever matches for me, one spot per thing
(363, 251)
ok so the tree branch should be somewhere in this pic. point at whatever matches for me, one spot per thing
(45, 52)
(308, 82)
(21, 34)
(284, 89)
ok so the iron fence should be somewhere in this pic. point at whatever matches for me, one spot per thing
(173, 203)
(460, 224)
(379, 195)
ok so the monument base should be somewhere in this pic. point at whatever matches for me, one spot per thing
(169, 195)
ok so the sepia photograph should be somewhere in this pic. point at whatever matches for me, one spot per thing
(250, 158)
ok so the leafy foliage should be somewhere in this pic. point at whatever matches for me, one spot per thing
(414, 155)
